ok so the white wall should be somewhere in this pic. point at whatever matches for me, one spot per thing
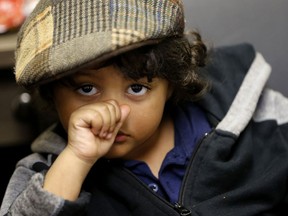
(263, 23)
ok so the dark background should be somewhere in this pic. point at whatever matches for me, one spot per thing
(260, 22)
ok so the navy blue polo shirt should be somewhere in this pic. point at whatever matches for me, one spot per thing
(190, 125)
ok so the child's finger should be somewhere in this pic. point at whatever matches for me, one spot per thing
(110, 115)
(115, 114)
(96, 121)
(125, 110)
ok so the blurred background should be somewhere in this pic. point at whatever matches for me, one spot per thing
(262, 23)
(221, 22)
(18, 121)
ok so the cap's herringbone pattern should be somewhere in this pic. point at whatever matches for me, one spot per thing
(60, 36)
(74, 18)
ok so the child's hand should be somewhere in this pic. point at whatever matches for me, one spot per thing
(92, 129)
(91, 132)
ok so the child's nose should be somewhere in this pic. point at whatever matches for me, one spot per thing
(112, 95)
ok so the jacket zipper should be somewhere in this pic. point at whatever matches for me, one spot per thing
(184, 182)
(178, 206)
(182, 210)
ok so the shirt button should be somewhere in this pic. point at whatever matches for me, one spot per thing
(153, 187)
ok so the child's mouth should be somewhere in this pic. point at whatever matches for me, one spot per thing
(120, 137)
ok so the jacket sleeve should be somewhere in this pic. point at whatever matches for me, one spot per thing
(26, 196)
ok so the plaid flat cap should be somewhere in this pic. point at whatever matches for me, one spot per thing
(62, 36)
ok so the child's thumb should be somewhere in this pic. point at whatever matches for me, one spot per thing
(125, 110)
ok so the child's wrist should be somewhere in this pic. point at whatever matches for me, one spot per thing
(78, 159)
(66, 175)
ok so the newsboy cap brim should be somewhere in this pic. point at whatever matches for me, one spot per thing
(61, 37)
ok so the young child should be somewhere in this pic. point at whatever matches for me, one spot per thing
(145, 127)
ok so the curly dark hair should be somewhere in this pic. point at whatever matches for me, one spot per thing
(176, 59)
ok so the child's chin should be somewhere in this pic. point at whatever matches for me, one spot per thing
(115, 153)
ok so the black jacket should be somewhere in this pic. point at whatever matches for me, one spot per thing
(239, 169)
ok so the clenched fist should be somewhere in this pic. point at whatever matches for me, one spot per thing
(92, 129)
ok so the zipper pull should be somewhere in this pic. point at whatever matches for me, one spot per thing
(182, 210)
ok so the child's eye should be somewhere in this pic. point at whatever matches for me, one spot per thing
(87, 90)
(137, 89)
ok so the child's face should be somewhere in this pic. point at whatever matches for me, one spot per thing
(145, 99)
